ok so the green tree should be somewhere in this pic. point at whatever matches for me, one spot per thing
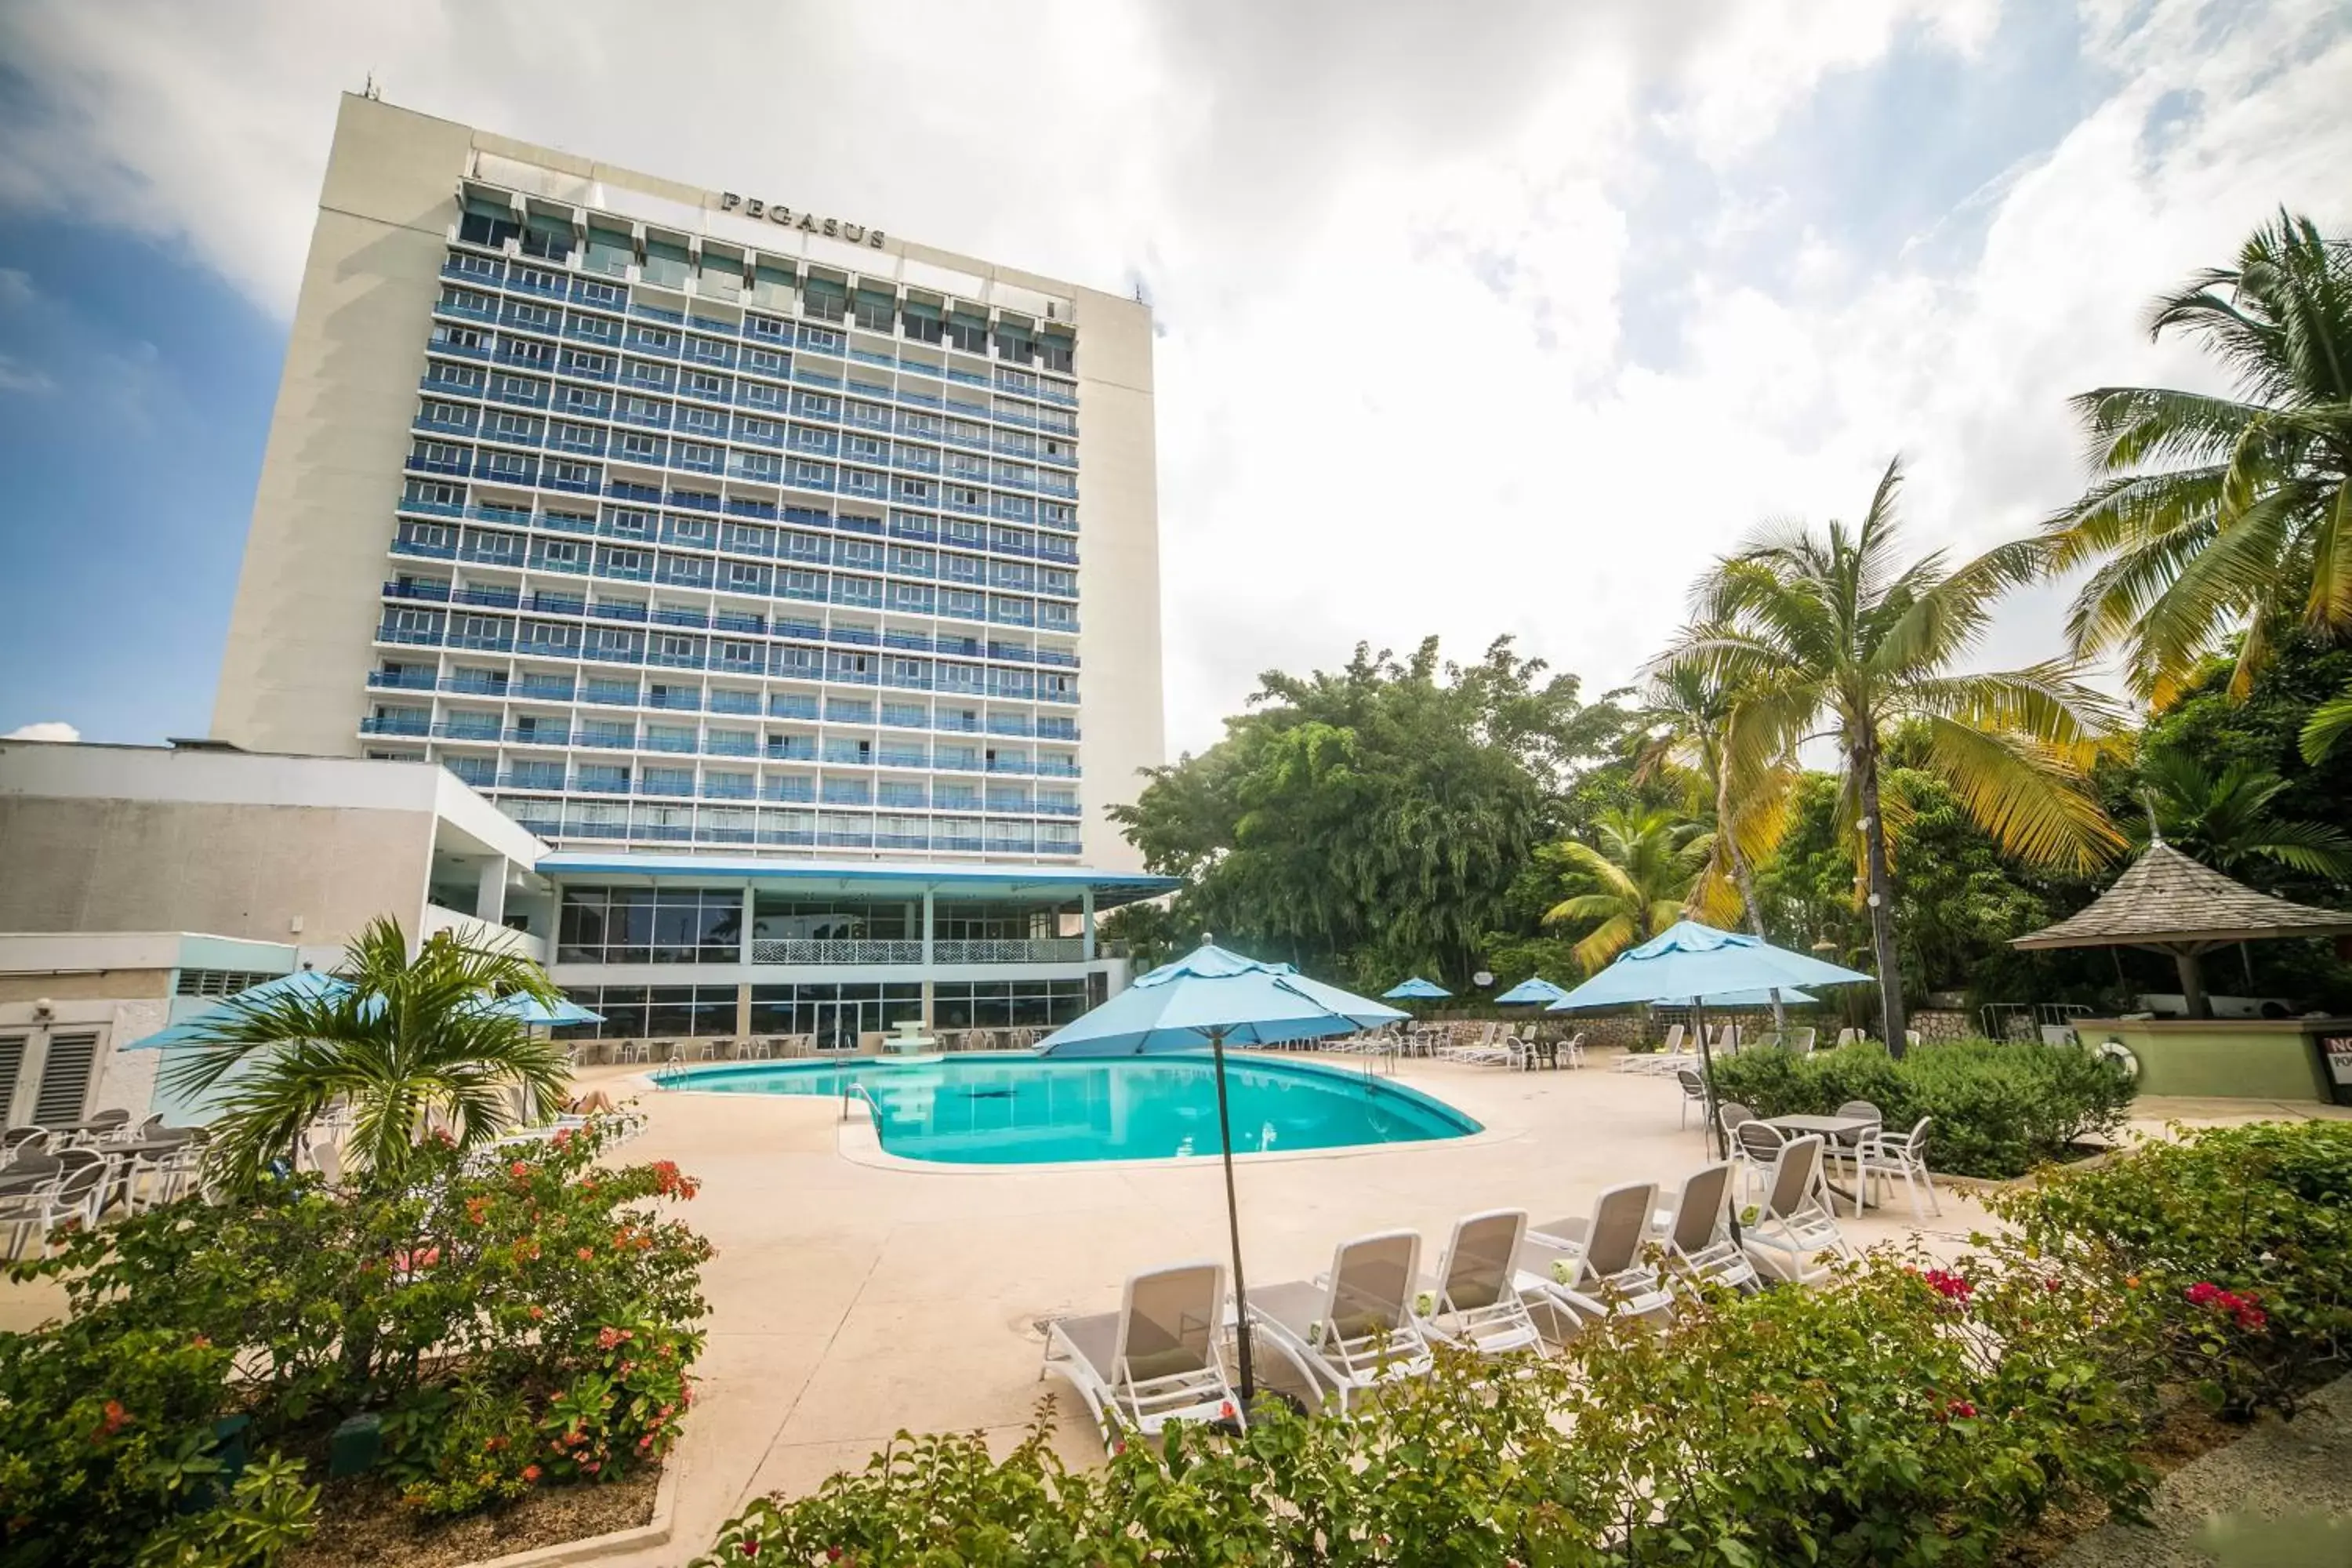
(1642, 870)
(1371, 820)
(2216, 515)
(1837, 637)
(1705, 739)
(411, 1039)
(2228, 818)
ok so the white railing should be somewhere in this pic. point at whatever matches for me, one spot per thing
(802, 950)
(1012, 950)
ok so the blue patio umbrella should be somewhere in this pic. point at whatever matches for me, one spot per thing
(1416, 990)
(1695, 964)
(309, 984)
(531, 1010)
(1534, 989)
(1208, 998)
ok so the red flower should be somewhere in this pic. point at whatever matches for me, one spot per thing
(2203, 1293)
(606, 1338)
(1962, 1409)
(537, 1313)
(531, 1473)
(1949, 1286)
(586, 1253)
(116, 1419)
(520, 1168)
(562, 1137)
(751, 1548)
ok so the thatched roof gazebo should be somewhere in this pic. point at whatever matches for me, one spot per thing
(2167, 902)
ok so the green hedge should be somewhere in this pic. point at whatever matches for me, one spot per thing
(2000, 1108)
(1905, 1415)
(1908, 1417)
(516, 1322)
(2243, 1235)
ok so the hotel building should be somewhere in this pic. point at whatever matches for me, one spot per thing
(795, 584)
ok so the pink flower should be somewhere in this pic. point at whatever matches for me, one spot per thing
(1949, 1286)
(519, 1168)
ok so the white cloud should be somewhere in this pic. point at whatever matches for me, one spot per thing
(15, 375)
(46, 729)
(1401, 253)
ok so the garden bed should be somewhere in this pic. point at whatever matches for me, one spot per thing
(361, 1522)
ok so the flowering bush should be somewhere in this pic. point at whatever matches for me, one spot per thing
(2000, 1108)
(2240, 1236)
(1908, 1416)
(485, 1311)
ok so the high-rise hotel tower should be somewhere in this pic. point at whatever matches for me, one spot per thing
(727, 545)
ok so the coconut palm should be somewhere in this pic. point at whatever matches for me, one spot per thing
(2225, 818)
(1836, 638)
(2214, 515)
(1702, 738)
(1644, 864)
(409, 1043)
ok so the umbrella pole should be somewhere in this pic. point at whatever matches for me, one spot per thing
(1233, 1219)
(1707, 1074)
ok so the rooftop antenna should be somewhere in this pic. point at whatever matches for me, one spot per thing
(371, 92)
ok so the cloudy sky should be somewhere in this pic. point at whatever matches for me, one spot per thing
(1473, 319)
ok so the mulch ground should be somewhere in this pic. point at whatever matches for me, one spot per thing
(361, 1522)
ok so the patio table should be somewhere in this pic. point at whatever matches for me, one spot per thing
(1841, 1129)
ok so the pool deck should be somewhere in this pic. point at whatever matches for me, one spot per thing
(852, 1298)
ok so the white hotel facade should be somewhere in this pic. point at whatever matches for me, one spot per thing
(795, 584)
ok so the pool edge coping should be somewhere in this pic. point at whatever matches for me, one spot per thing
(857, 1127)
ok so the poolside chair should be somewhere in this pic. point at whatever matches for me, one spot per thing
(1911, 1036)
(1848, 1036)
(1694, 1093)
(1593, 1266)
(1571, 1049)
(1904, 1155)
(1846, 1150)
(1796, 1237)
(1756, 1147)
(1158, 1358)
(1353, 1327)
(1699, 1248)
(1474, 1303)
(1800, 1041)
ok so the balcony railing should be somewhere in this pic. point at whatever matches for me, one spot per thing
(796, 950)
(1011, 950)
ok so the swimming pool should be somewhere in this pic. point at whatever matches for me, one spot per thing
(1024, 1110)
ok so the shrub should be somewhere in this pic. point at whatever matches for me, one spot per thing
(1900, 1419)
(1999, 1109)
(2241, 1237)
(520, 1321)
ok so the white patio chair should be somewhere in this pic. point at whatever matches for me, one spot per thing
(1699, 1248)
(1756, 1146)
(1571, 1049)
(1848, 1036)
(1158, 1358)
(1796, 1237)
(1800, 1041)
(1694, 1088)
(1593, 1266)
(66, 1199)
(1885, 1155)
(1474, 1303)
(1354, 1326)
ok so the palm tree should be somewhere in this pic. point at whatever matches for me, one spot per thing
(1646, 864)
(410, 1040)
(1837, 639)
(2224, 818)
(1701, 736)
(2215, 515)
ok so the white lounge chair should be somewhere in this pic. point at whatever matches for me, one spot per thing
(1593, 1266)
(1353, 1327)
(1474, 1303)
(1699, 1248)
(1694, 1087)
(1158, 1358)
(1795, 1236)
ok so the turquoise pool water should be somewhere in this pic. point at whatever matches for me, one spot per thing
(1023, 1110)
